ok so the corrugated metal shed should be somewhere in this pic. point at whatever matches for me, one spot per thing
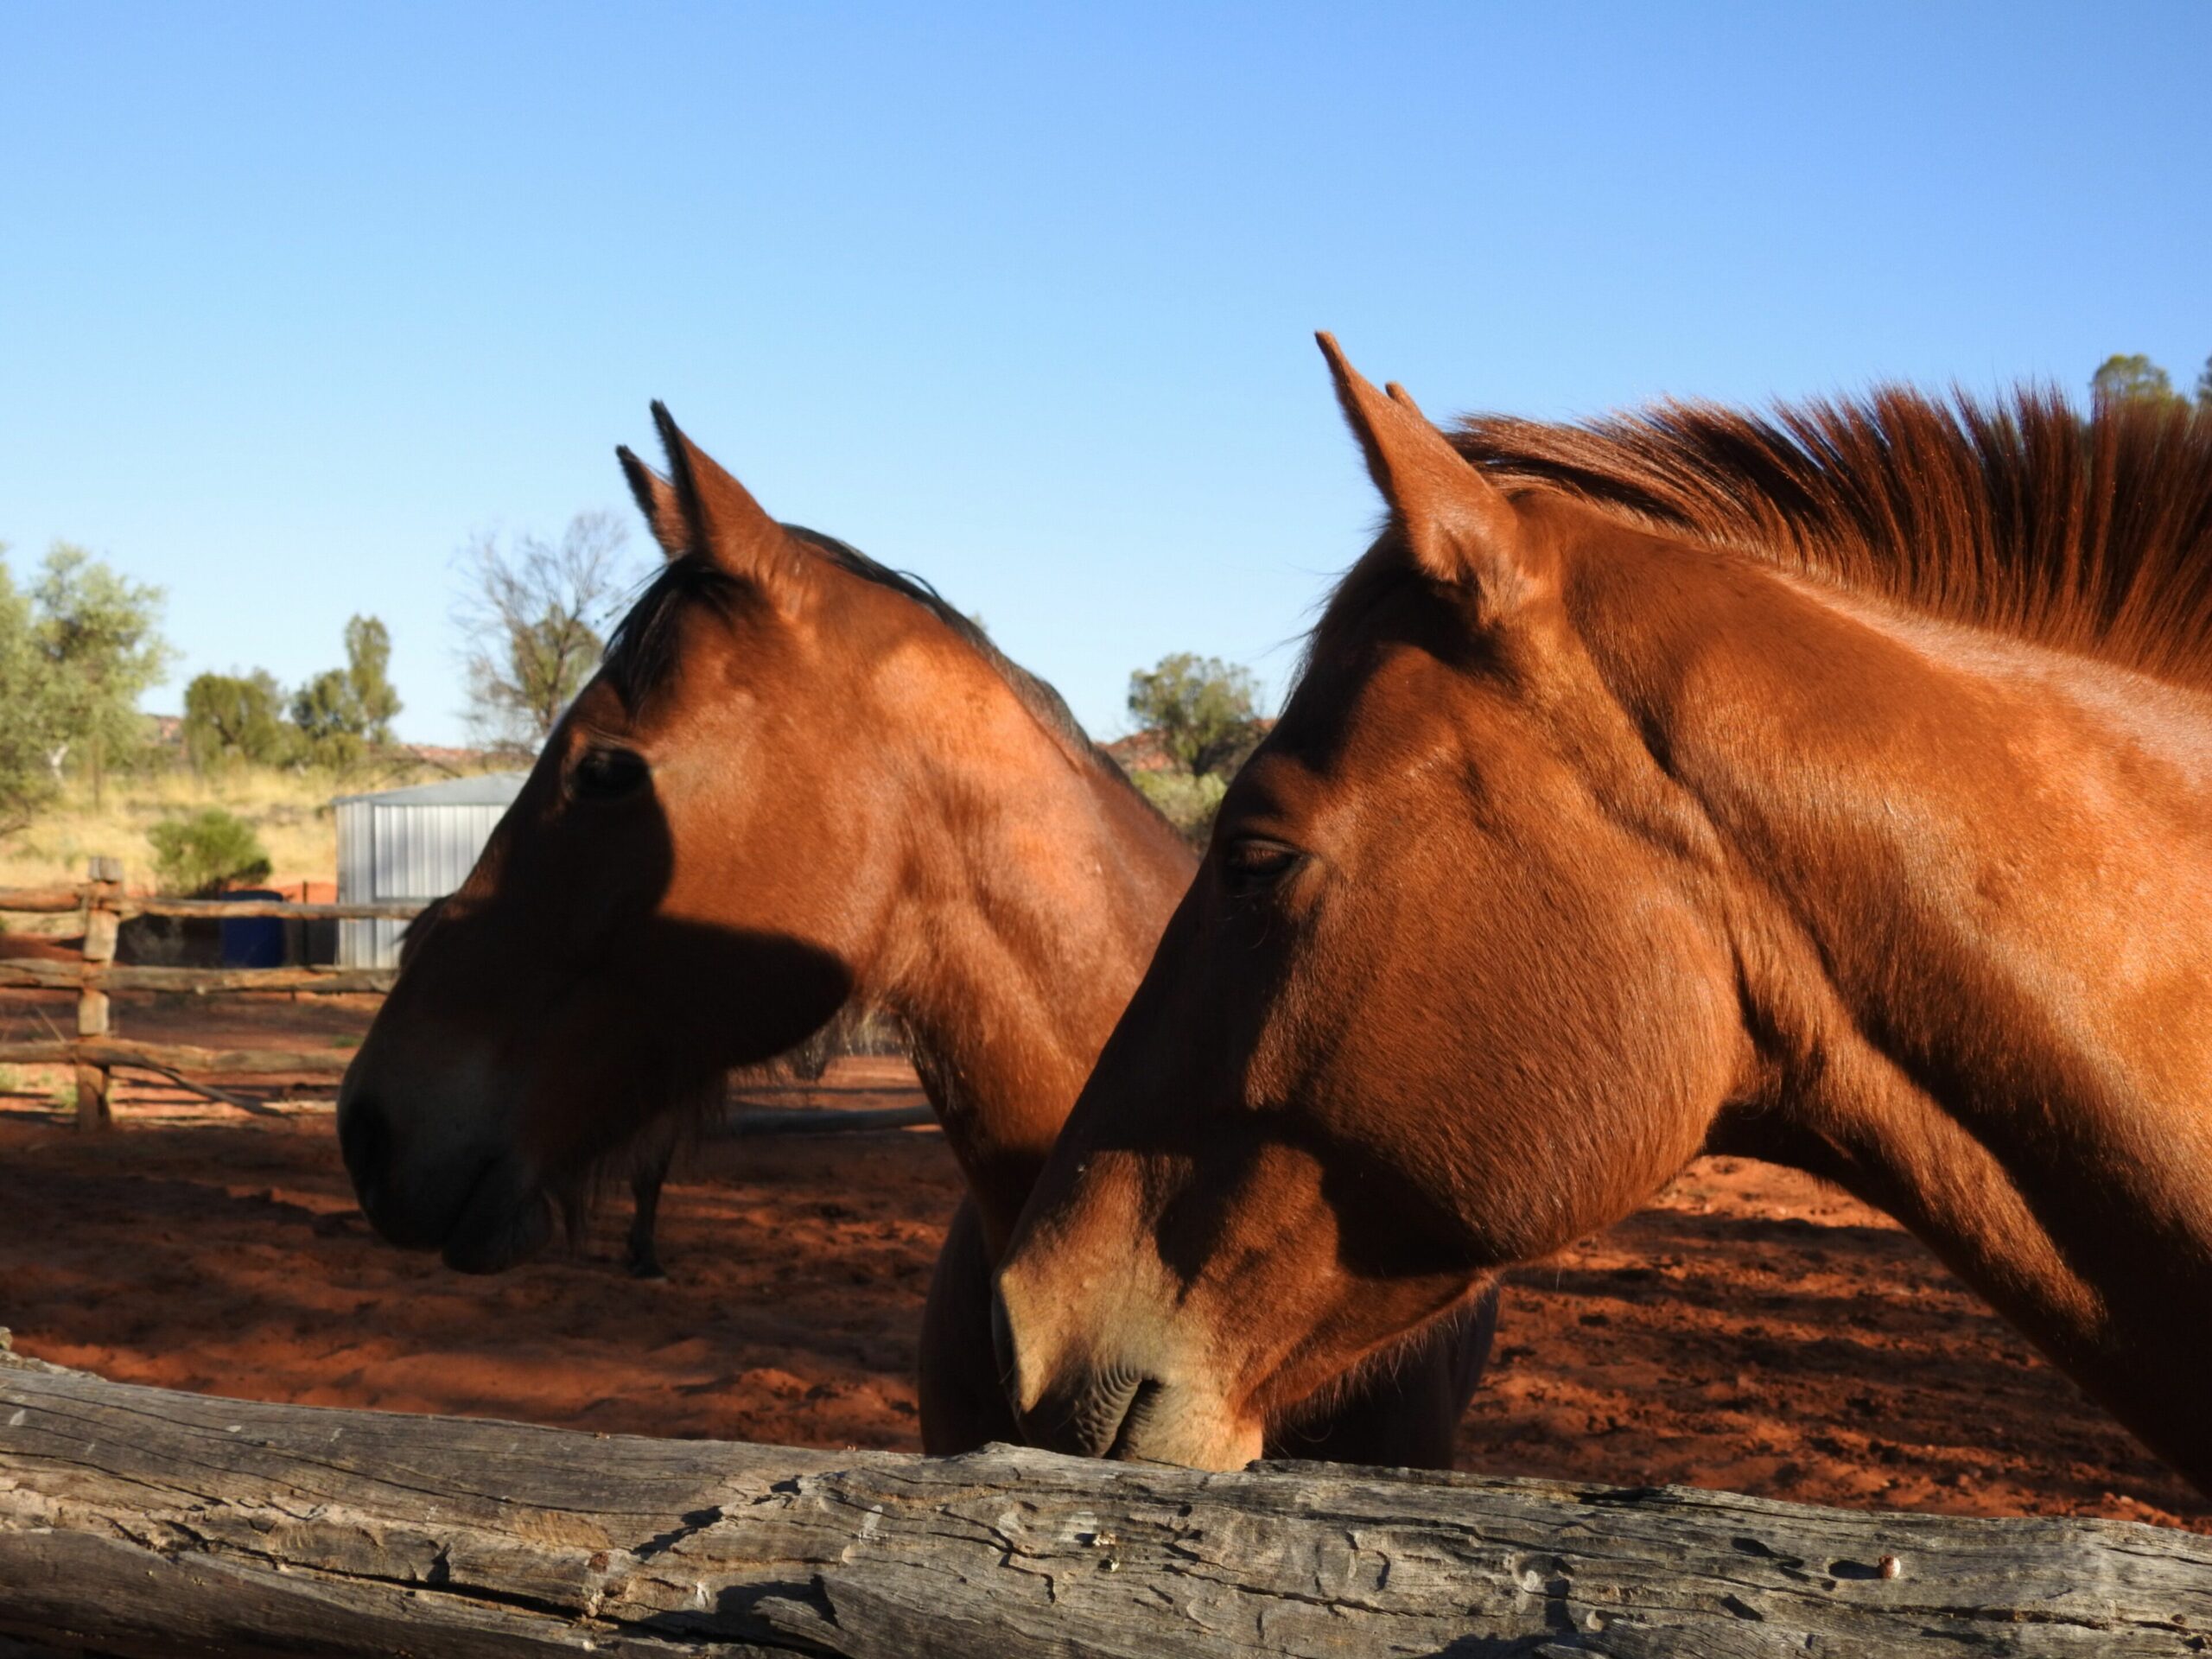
(408, 845)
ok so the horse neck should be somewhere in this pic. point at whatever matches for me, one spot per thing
(1040, 885)
(1967, 881)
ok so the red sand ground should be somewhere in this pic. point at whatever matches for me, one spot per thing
(1752, 1330)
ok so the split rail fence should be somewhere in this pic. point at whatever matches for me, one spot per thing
(97, 1050)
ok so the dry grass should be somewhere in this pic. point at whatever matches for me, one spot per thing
(289, 809)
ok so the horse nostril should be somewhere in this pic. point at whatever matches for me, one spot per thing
(1142, 1400)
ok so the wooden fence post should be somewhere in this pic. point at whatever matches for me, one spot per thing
(102, 885)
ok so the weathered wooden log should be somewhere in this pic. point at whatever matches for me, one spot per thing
(94, 1112)
(398, 911)
(199, 982)
(49, 901)
(290, 910)
(183, 1060)
(41, 902)
(142, 1522)
(96, 952)
(179, 1057)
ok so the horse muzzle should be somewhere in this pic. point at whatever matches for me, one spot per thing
(1110, 1394)
(426, 1184)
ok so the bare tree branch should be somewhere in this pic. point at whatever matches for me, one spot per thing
(534, 615)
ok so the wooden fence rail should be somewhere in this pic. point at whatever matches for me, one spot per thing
(96, 1053)
(112, 1051)
(55, 901)
(135, 1520)
(323, 982)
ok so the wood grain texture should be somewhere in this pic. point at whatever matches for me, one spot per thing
(327, 982)
(146, 1522)
(397, 911)
(179, 1057)
(49, 901)
(41, 902)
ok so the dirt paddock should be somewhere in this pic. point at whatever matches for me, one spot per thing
(1750, 1330)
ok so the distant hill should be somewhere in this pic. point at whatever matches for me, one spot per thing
(1139, 752)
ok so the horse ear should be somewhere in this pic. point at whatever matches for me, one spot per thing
(656, 498)
(1458, 526)
(720, 520)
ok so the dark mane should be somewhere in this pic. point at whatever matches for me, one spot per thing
(2091, 533)
(641, 652)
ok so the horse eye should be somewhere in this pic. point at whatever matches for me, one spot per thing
(1251, 862)
(607, 774)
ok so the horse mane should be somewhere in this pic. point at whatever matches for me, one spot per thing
(2087, 533)
(641, 652)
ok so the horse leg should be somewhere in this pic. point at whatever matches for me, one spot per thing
(648, 1174)
(1405, 1412)
(963, 1401)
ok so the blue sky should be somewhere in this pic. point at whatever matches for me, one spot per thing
(293, 299)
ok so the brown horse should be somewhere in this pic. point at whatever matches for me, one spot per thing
(1833, 789)
(799, 781)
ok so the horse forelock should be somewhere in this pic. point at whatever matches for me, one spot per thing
(643, 653)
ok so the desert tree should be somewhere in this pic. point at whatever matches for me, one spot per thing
(98, 635)
(1200, 708)
(31, 718)
(2131, 375)
(1200, 711)
(342, 712)
(368, 666)
(533, 615)
(328, 714)
(236, 716)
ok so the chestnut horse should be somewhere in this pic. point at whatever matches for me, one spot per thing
(799, 781)
(1835, 790)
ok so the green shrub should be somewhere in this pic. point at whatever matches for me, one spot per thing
(207, 852)
(1199, 709)
(1187, 802)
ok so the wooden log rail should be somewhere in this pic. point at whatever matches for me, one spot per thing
(97, 1052)
(142, 1522)
(199, 982)
(183, 1060)
(56, 901)
(184, 1057)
